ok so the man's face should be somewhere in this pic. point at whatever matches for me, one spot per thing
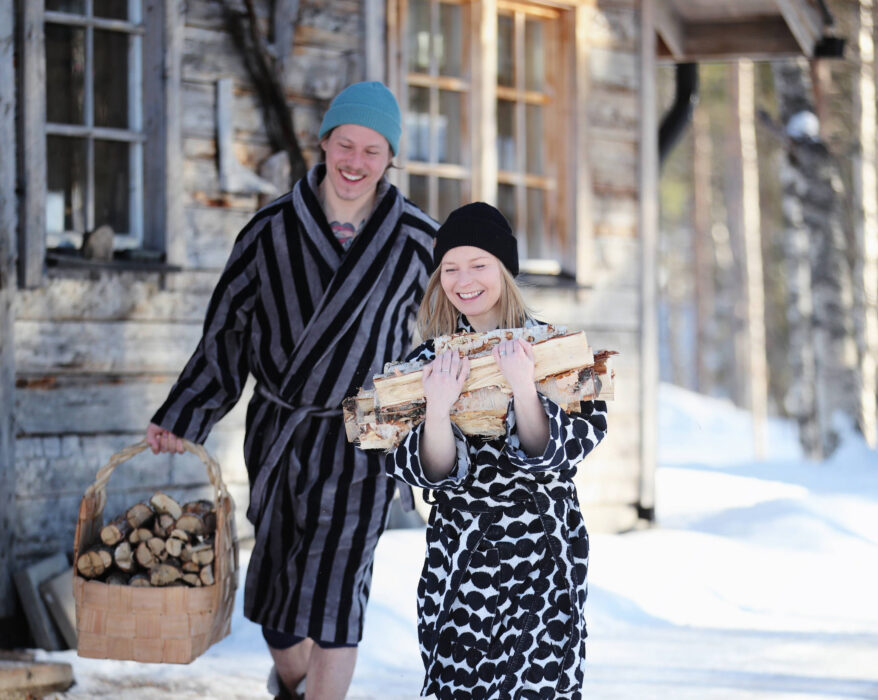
(356, 159)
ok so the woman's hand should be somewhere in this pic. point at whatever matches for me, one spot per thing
(443, 380)
(161, 440)
(515, 358)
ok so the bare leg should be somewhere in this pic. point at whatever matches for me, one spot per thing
(330, 672)
(292, 664)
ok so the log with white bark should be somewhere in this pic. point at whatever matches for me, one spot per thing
(116, 531)
(164, 504)
(140, 515)
(95, 562)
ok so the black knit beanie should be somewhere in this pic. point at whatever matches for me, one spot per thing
(482, 226)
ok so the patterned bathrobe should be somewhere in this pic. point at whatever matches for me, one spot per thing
(312, 323)
(502, 592)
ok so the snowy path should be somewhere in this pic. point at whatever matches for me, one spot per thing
(760, 583)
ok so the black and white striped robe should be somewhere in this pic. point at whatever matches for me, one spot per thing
(501, 600)
(312, 323)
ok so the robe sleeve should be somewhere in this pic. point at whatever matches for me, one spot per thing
(404, 463)
(571, 436)
(213, 379)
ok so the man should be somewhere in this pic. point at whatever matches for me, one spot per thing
(319, 292)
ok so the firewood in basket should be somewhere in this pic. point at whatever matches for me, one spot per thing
(174, 546)
(206, 575)
(140, 534)
(192, 579)
(117, 578)
(140, 580)
(193, 523)
(206, 510)
(166, 573)
(94, 562)
(116, 531)
(179, 534)
(140, 515)
(164, 504)
(163, 525)
(124, 557)
(200, 553)
(145, 556)
(191, 567)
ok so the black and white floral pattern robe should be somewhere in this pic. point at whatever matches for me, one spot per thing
(312, 323)
(502, 592)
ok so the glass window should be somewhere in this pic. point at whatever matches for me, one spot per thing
(94, 120)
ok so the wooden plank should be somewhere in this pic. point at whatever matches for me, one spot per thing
(612, 27)
(32, 145)
(764, 38)
(34, 679)
(8, 251)
(804, 22)
(174, 219)
(123, 348)
(553, 356)
(27, 581)
(583, 162)
(647, 175)
(57, 595)
(670, 28)
(614, 69)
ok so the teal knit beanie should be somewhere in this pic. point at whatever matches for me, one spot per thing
(368, 104)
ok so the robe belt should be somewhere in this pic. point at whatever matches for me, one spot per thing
(491, 504)
(259, 495)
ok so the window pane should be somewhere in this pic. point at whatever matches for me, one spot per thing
(72, 6)
(65, 71)
(418, 190)
(419, 36)
(449, 47)
(112, 185)
(534, 64)
(450, 196)
(112, 9)
(418, 124)
(536, 224)
(535, 138)
(111, 79)
(505, 51)
(66, 194)
(450, 127)
(506, 156)
(506, 204)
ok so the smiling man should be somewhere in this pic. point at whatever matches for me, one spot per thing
(321, 290)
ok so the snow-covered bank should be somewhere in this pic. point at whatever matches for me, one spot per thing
(759, 582)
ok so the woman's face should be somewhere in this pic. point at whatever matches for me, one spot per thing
(472, 281)
(356, 159)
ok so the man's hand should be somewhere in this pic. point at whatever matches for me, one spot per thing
(161, 440)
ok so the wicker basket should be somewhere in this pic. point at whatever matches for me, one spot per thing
(159, 625)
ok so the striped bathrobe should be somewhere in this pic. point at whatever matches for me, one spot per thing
(312, 323)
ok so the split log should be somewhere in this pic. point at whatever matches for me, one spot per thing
(140, 515)
(174, 546)
(117, 578)
(205, 509)
(124, 557)
(192, 523)
(554, 355)
(200, 554)
(95, 562)
(206, 575)
(116, 531)
(163, 525)
(151, 552)
(192, 579)
(140, 580)
(165, 505)
(191, 567)
(179, 534)
(140, 534)
(165, 573)
(478, 413)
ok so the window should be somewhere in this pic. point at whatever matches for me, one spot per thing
(94, 120)
(485, 115)
(99, 85)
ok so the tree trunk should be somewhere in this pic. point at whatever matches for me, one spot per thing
(702, 218)
(823, 353)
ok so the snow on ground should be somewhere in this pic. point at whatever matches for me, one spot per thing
(759, 582)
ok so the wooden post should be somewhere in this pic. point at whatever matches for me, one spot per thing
(8, 221)
(702, 220)
(757, 373)
(865, 186)
(648, 173)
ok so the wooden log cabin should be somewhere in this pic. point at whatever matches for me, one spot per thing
(141, 114)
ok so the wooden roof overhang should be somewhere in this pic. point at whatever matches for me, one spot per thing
(712, 30)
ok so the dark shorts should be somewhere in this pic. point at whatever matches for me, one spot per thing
(282, 640)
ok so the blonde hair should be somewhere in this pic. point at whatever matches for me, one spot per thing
(437, 315)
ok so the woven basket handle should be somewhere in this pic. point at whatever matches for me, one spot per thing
(99, 487)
